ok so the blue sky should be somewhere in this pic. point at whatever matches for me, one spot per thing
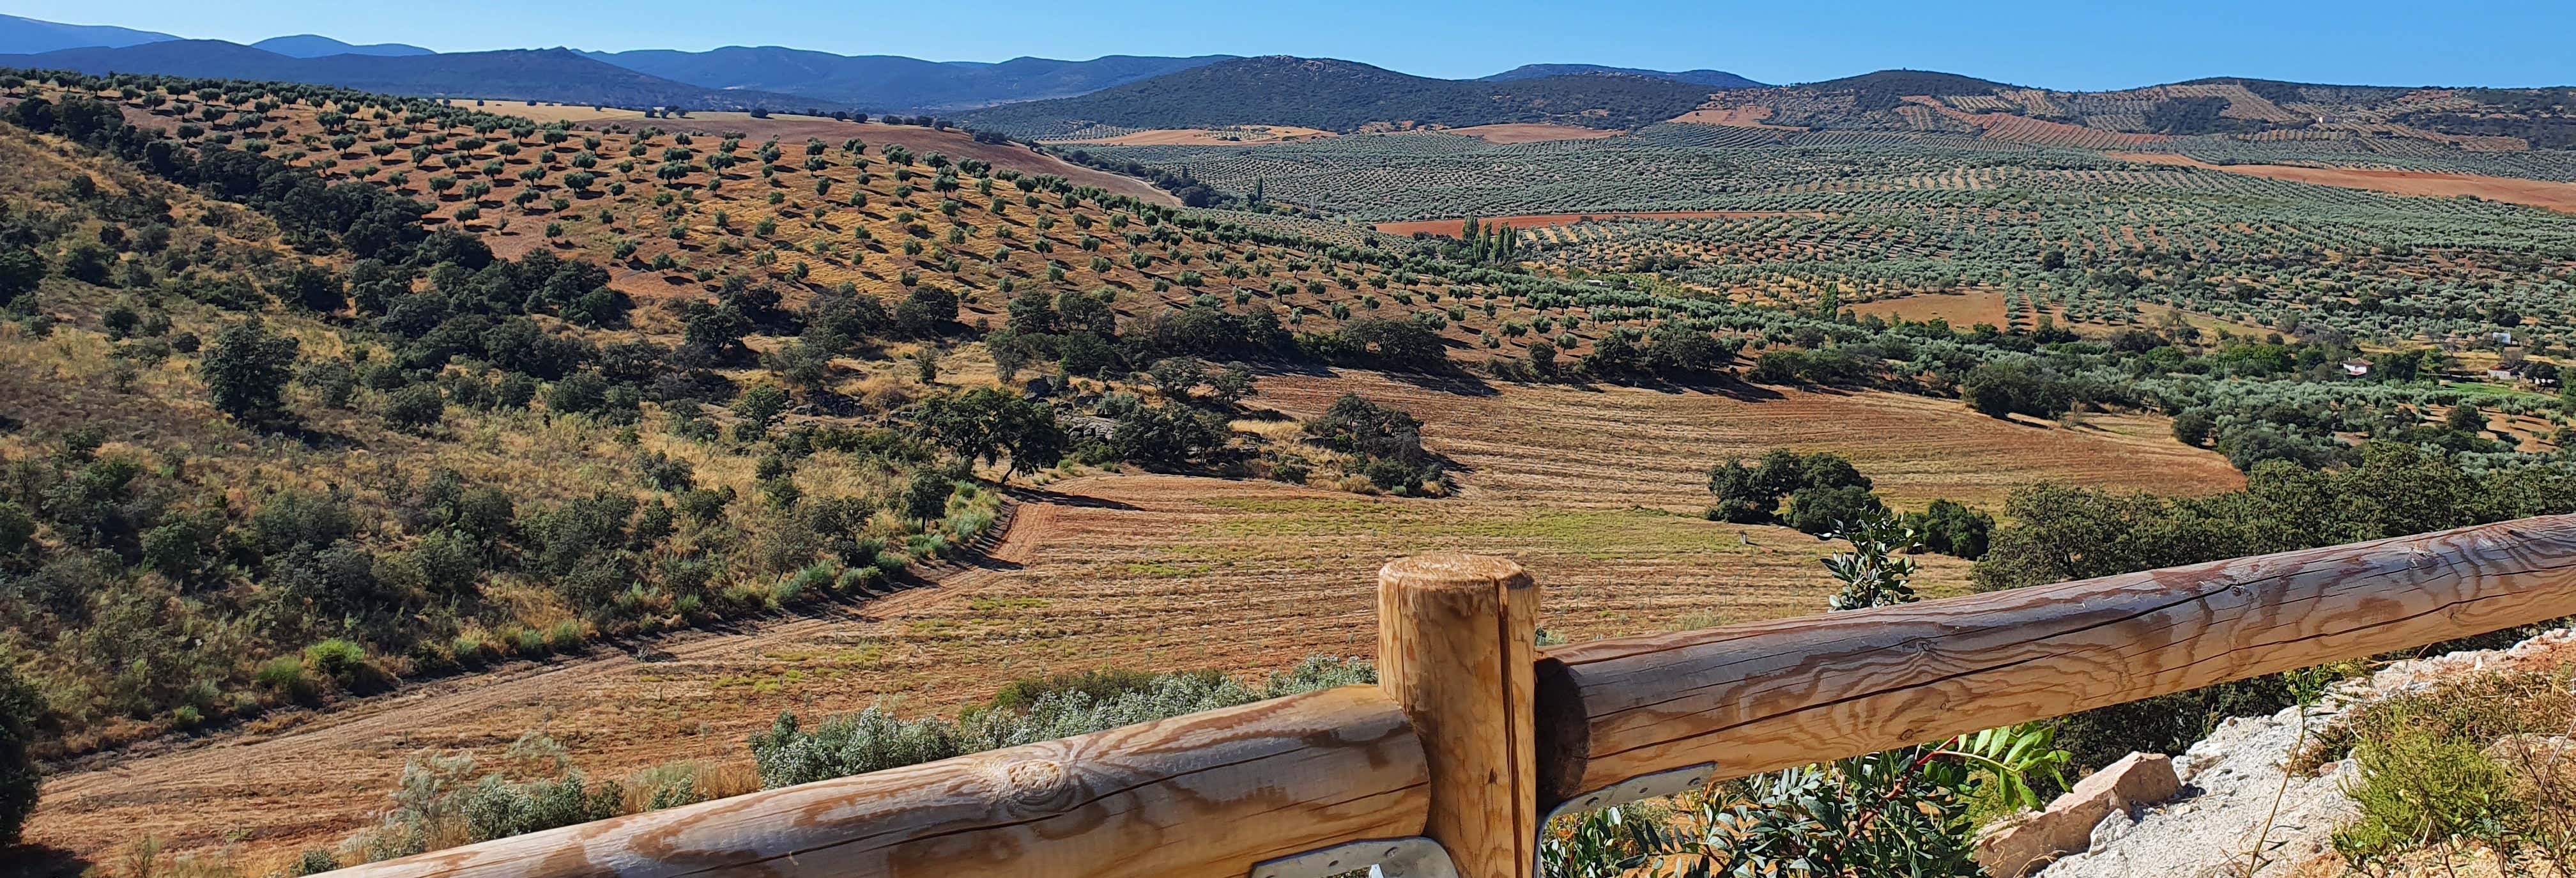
(2068, 45)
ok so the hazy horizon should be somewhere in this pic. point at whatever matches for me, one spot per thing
(2037, 44)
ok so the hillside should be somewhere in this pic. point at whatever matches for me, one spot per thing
(533, 74)
(2260, 114)
(20, 35)
(1710, 78)
(318, 46)
(1345, 96)
(341, 425)
(889, 83)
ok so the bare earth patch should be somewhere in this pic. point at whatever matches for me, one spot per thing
(1739, 117)
(1532, 132)
(2511, 190)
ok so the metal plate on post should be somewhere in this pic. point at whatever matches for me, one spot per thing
(1412, 857)
(1661, 783)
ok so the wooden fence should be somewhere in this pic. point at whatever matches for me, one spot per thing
(1450, 763)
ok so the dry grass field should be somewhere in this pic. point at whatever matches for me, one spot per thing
(1596, 491)
(1963, 309)
(1532, 132)
(2537, 193)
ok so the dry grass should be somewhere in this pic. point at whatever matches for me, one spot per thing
(1532, 132)
(1597, 493)
(2537, 193)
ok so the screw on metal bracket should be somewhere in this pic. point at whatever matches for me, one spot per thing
(1648, 786)
(1411, 857)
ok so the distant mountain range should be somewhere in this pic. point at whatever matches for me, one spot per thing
(2359, 120)
(318, 46)
(893, 82)
(1710, 78)
(27, 36)
(1045, 98)
(1345, 96)
(559, 75)
(777, 77)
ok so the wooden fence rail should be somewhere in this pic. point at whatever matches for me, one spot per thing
(1469, 737)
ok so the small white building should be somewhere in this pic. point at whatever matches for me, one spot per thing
(2356, 368)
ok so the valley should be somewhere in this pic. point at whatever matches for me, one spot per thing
(1158, 571)
(404, 448)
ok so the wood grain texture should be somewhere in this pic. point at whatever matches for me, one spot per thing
(1770, 695)
(1455, 646)
(1204, 794)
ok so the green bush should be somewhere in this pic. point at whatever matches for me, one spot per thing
(1024, 712)
(1953, 529)
(335, 658)
(22, 708)
(415, 408)
(1751, 493)
(2417, 787)
(1824, 510)
(285, 675)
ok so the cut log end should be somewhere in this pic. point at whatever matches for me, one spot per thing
(1454, 570)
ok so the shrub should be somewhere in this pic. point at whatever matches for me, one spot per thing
(415, 408)
(246, 369)
(440, 802)
(1024, 712)
(1953, 529)
(333, 380)
(1166, 434)
(1751, 494)
(2014, 387)
(21, 710)
(285, 675)
(335, 658)
(1822, 510)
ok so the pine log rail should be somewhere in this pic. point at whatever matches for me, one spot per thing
(1469, 737)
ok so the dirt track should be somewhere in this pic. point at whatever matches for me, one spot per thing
(1594, 491)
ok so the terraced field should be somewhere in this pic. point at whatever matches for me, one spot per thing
(1595, 491)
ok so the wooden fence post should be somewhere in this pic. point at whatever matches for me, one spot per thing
(1455, 646)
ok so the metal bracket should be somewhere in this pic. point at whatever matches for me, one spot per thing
(1648, 786)
(1411, 857)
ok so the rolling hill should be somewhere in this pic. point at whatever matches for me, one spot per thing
(524, 74)
(19, 35)
(318, 46)
(1346, 96)
(893, 82)
(1710, 78)
(2367, 119)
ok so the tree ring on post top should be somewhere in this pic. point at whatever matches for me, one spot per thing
(1453, 570)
